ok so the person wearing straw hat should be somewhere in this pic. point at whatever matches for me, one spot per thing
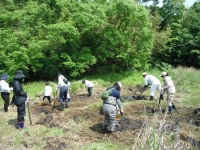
(5, 90)
(154, 82)
(170, 90)
(20, 97)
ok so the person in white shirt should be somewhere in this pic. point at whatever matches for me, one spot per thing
(154, 82)
(89, 86)
(170, 90)
(47, 93)
(5, 91)
(63, 91)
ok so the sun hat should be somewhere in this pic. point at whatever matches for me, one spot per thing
(120, 84)
(19, 74)
(144, 74)
(163, 74)
(4, 76)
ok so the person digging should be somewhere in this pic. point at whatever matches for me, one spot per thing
(109, 108)
(154, 82)
(47, 93)
(169, 88)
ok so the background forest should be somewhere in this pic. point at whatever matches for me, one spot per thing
(74, 37)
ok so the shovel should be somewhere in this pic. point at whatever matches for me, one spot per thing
(29, 114)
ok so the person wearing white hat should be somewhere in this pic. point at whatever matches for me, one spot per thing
(154, 82)
(169, 88)
(109, 108)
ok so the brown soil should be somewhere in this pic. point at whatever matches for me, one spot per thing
(82, 123)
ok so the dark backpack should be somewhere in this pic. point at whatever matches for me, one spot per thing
(105, 94)
(64, 79)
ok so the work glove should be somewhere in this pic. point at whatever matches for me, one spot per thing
(27, 99)
(161, 97)
(121, 112)
(145, 87)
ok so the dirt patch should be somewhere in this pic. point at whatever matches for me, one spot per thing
(130, 124)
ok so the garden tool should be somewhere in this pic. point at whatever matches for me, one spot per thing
(29, 114)
(54, 101)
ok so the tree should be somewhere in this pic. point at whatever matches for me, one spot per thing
(45, 37)
(186, 39)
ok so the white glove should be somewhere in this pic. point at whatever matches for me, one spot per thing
(56, 89)
(27, 99)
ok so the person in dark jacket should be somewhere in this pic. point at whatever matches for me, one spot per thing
(109, 108)
(20, 98)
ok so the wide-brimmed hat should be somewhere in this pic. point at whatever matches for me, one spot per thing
(120, 84)
(4, 76)
(163, 74)
(19, 74)
(144, 74)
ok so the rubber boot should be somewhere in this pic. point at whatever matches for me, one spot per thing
(170, 109)
(20, 125)
(173, 106)
(104, 129)
(151, 98)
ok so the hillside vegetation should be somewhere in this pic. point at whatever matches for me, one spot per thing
(144, 125)
(45, 37)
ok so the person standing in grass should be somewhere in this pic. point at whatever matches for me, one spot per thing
(20, 98)
(47, 93)
(89, 86)
(169, 88)
(154, 82)
(109, 108)
(63, 91)
(5, 91)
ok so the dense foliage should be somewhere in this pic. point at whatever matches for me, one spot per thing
(44, 37)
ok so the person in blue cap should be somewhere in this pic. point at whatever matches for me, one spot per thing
(5, 91)
(20, 97)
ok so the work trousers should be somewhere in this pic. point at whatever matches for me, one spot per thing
(21, 110)
(90, 91)
(6, 98)
(109, 112)
(63, 95)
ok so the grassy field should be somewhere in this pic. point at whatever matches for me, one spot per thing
(79, 126)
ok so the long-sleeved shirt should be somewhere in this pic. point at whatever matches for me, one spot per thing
(4, 87)
(88, 84)
(60, 81)
(150, 79)
(168, 85)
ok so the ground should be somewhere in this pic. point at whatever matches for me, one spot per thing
(81, 122)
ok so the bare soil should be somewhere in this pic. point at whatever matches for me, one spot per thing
(81, 122)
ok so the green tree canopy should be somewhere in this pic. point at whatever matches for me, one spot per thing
(44, 37)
